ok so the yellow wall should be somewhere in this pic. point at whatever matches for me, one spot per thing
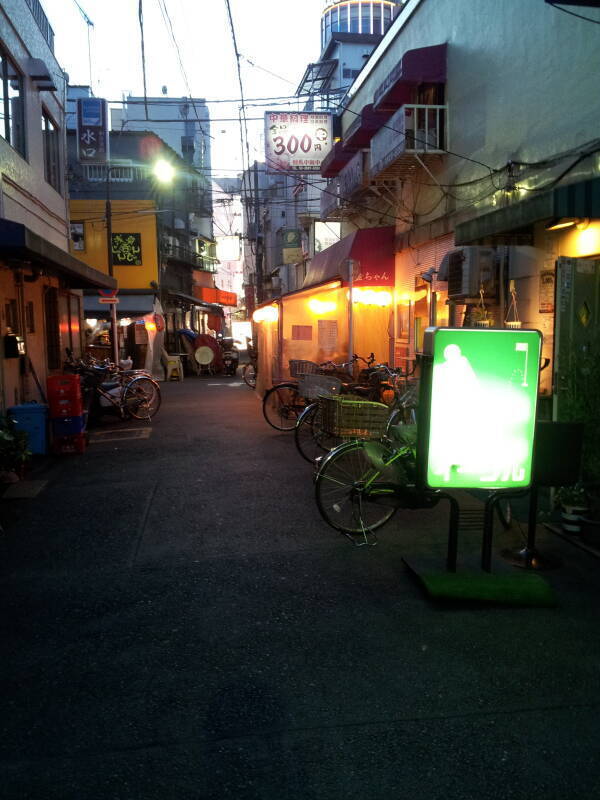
(124, 220)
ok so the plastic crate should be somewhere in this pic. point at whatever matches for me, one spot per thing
(31, 418)
(64, 396)
(347, 418)
(299, 367)
(64, 445)
(67, 426)
(312, 386)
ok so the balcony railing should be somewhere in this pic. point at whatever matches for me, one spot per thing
(186, 256)
(412, 130)
(42, 22)
(96, 173)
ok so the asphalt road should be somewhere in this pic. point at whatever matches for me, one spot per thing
(177, 622)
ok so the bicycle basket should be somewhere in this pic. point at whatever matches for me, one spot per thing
(311, 386)
(353, 419)
(299, 367)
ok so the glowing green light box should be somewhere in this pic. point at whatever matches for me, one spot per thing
(477, 407)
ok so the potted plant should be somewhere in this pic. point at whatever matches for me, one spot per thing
(14, 451)
(574, 504)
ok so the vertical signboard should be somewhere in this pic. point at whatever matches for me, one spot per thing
(297, 142)
(92, 130)
(477, 408)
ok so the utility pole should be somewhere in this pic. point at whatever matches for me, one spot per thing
(258, 240)
(114, 330)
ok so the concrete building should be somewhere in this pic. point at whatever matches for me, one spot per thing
(290, 203)
(40, 282)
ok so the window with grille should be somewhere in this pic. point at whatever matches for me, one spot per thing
(50, 138)
(12, 118)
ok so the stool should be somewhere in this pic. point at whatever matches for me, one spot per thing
(174, 368)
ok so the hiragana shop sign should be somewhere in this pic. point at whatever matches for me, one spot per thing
(127, 249)
(92, 130)
(296, 142)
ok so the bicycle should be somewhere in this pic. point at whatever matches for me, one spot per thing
(130, 393)
(283, 403)
(311, 437)
(250, 369)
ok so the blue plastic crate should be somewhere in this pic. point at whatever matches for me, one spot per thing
(32, 418)
(67, 426)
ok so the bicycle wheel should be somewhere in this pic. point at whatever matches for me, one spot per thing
(282, 405)
(355, 487)
(141, 398)
(249, 375)
(310, 438)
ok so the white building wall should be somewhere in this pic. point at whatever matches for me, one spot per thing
(521, 82)
(25, 196)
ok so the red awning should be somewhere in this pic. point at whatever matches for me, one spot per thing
(337, 158)
(422, 65)
(371, 248)
(365, 126)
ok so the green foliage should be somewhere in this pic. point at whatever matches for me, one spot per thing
(14, 446)
(575, 496)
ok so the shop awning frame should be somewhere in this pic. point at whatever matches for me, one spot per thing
(421, 65)
(581, 199)
(19, 243)
(372, 248)
(193, 301)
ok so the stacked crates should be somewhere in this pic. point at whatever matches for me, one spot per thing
(67, 418)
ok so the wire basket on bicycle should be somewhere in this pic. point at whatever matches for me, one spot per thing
(347, 418)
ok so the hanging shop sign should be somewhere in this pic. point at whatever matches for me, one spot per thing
(477, 408)
(127, 249)
(92, 130)
(297, 142)
(291, 246)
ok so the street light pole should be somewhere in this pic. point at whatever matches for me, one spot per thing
(114, 331)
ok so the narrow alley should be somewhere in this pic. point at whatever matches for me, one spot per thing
(179, 623)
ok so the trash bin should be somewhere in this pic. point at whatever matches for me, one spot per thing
(31, 418)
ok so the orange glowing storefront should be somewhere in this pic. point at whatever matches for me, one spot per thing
(318, 322)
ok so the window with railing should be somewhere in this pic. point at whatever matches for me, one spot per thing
(42, 22)
(50, 138)
(12, 117)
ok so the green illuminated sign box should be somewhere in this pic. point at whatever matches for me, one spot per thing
(477, 407)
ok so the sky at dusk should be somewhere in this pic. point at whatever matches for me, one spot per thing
(279, 36)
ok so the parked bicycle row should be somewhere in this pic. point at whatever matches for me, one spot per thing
(108, 388)
(360, 435)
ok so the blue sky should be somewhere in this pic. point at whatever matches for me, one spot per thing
(279, 36)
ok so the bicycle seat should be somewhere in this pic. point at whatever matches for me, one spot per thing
(108, 385)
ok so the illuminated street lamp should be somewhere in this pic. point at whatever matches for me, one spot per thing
(164, 172)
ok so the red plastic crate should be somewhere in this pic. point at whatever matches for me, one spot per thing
(63, 445)
(64, 396)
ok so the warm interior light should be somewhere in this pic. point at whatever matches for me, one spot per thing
(91, 322)
(125, 321)
(562, 222)
(266, 314)
(371, 297)
(587, 241)
(150, 326)
(318, 306)
(582, 224)
(164, 171)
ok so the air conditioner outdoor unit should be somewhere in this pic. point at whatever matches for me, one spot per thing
(467, 270)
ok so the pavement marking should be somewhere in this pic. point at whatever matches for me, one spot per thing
(234, 383)
(98, 437)
(24, 489)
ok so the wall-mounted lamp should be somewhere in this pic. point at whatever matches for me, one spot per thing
(427, 276)
(558, 223)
